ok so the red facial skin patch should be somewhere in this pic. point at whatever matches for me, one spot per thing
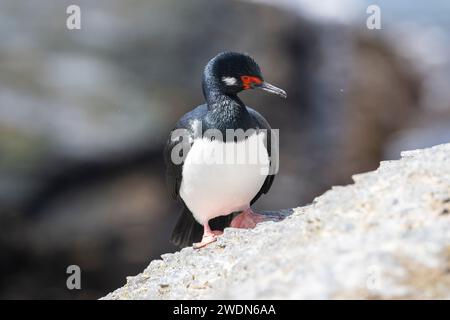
(248, 81)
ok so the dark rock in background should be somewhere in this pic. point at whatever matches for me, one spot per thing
(84, 115)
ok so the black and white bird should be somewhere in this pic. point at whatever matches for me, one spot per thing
(217, 194)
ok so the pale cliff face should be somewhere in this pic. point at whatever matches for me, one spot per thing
(385, 236)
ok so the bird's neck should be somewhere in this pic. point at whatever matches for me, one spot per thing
(225, 111)
(217, 100)
(215, 96)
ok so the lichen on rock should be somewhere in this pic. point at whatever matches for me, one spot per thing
(385, 236)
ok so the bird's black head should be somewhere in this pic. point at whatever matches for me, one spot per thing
(232, 72)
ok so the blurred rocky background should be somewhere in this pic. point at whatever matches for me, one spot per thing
(84, 115)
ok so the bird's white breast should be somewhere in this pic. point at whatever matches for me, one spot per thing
(220, 178)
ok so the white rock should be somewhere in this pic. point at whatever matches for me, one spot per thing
(386, 236)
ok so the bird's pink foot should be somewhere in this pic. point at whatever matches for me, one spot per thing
(209, 236)
(247, 219)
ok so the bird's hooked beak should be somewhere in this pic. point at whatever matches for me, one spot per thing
(271, 89)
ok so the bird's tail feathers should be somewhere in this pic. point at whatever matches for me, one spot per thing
(188, 230)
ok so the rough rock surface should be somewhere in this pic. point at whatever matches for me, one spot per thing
(385, 236)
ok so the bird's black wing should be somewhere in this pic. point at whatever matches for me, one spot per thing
(174, 170)
(180, 141)
(272, 149)
(187, 230)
